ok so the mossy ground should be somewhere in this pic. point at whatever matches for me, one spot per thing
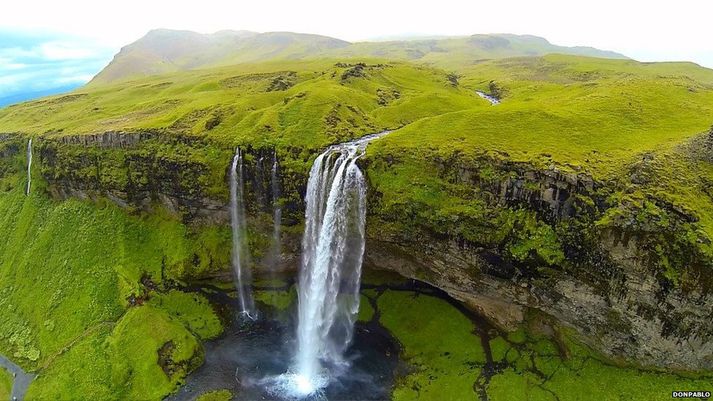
(438, 343)
(217, 395)
(5, 384)
(448, 361)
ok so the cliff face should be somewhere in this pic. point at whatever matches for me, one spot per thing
(606, 280)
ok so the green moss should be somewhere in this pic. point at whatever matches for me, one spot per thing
(500, 348)
(281, 300)
(366, 311)
(438, 342)
(217, 395)
(512, 386)
(144, 356)
(193, 310)
(537, 371)
(5, 384)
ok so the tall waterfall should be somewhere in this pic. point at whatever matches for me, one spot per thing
(332, 252)
(29, 167)
(276, 211)
(240, 253)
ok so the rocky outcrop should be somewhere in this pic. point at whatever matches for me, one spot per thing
(614, 288)
(636, 319)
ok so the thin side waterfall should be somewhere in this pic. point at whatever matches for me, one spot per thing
(276, 211)
(330, 275)
(29, 167)
(240, 253)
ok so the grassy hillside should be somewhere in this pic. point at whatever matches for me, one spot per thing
(577, 114)
(163, 51)
(307, 104)
(83, 302)
(584, 114)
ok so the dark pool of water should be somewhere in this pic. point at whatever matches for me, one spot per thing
(250, 353)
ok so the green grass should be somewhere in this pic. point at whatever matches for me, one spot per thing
(579, 113)
(5, 384)
(67, 272)
(121, 361)
(319, 109)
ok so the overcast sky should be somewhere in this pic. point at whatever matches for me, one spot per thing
(55, 42)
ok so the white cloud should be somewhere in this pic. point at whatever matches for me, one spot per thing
(37, 62)
(65, 51)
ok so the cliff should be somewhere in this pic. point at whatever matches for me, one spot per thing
(550, 240)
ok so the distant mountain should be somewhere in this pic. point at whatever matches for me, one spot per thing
(25, 96)
(463, 51)
(163, 51)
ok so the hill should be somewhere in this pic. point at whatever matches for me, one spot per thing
(163, 51)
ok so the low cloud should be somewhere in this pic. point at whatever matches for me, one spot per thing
(36, 62)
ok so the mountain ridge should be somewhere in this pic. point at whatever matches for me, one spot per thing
(165, 50)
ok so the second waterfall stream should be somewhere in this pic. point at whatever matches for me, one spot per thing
(240, 253)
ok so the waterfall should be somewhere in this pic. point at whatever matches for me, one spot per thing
(332, 252)
(240, 253)
(276, 211)
(29, 167)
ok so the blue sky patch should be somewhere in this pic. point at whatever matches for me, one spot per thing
(43, 62)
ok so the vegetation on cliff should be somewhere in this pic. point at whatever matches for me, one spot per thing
(86, 300)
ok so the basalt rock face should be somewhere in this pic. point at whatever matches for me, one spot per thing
(614, 287)
(10, 147)
(135, 170)
(189, 177)
(609, 285)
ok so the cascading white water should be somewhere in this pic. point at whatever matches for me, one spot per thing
(240, 255)
(29, 167)
(332, 253)
(276, 211)
(493, 100)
